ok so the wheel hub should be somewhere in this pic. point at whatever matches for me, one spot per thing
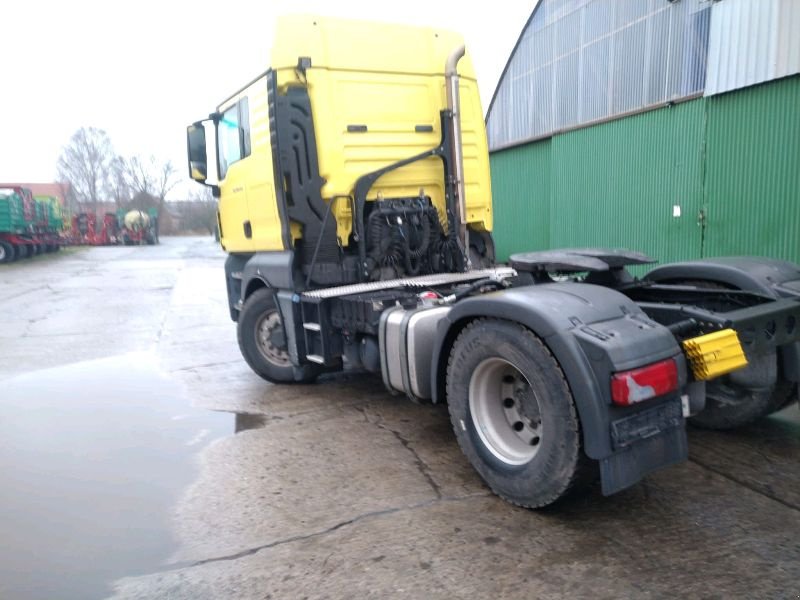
(271, 340)
(505, 411)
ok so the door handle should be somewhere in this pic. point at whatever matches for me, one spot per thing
(248, 229)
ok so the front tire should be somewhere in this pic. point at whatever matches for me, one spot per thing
(513, 414)
(262, 341)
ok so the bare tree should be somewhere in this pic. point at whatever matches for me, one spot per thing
(199, 213)
(118, 184)
(150, 176)
(85, 163)
(68, 195)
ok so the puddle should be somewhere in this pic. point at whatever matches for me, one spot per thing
(246, 421)
(93, 457)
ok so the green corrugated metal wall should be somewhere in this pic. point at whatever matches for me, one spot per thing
(736, 156)
(521, 177)
(753, 171)
(616, 185)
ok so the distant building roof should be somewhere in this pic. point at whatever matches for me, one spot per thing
(56, 189)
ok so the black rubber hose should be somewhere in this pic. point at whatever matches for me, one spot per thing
(476, 286)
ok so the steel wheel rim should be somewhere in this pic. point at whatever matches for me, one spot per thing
(266, 326)
(3, 252)
(505, 411)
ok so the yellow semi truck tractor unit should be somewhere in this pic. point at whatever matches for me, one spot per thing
(355, 206)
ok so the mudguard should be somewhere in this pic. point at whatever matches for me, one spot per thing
(273, 268)
(592, 332)
(234, 267)
(750, 273)
(767, 276)
(245, 273)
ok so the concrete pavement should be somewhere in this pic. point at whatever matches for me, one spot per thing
(337, 489)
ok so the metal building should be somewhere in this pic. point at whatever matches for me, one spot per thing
(666, 126)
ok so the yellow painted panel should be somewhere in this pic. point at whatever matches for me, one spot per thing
(388, 78)
(391, 106)
(233, 211)
(354, 45)
(248, 190)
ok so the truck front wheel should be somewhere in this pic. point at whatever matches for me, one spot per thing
(262, 341)
(513, 413)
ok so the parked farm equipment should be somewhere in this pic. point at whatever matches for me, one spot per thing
(138, 227)
(32, 225)
(28, 225)
(123, 227)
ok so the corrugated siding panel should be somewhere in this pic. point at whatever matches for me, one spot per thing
(753, 171)
(616, 184)
(583, 60)
(788, 55)
(521, 192)
(752, 42)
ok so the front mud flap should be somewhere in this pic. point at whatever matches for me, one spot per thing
(644, 442)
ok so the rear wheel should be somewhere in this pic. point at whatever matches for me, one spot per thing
(513, 414)
(746, 395)
(262, 341)
(730, 405)
(7, 253)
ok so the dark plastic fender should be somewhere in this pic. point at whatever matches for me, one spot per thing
(270, 269)
(750, 273)
(273, 268)
(234, 264)
(592, 332)
(768, 276)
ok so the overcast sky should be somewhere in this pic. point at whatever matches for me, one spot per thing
(142, 70)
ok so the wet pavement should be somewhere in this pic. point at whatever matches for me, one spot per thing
(140, 458)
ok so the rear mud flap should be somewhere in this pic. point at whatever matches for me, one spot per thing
(645, 442)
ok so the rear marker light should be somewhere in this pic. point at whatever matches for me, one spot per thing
(636, 385)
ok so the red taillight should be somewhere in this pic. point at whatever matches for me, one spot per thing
(630, 387)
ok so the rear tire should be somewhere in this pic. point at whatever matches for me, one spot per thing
(739, 398)
(513, 414)
(262, 341)
(7, 253)
(729, 406)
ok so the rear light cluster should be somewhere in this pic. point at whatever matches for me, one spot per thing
(636, 385)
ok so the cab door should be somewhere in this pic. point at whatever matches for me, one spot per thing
(233, 146)
(248, 205)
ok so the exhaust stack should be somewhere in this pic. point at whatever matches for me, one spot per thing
(457, 157)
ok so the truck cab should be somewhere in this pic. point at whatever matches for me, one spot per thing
(292, 145)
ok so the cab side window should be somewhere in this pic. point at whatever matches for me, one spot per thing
(233, 135)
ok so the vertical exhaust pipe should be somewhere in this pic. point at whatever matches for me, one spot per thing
(457, 157)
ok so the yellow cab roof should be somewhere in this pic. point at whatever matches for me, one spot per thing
(355, 45)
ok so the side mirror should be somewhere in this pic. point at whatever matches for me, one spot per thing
(196, 150)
